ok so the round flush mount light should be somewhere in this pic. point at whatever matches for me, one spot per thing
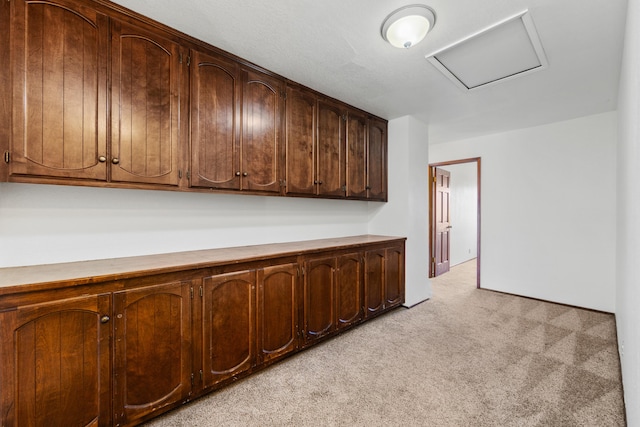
(407, 26)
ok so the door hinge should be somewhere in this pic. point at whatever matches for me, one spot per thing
(192, 378)
(180, 174)
(283, 95)
(191, 293)
(435, 178)
(7, 157)
(180, 58)
(201, 376)
(344, 117)
(344, 188)
(201, 292)
(189, 61)
(283, 183)
(189, 175)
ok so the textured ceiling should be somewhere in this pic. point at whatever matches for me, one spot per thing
(335, 47)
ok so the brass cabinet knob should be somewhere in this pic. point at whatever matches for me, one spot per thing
(244, 174)
(237, 173)
(105, 319)
(115, 160)
(102, 159)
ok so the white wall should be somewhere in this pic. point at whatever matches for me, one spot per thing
(464, 212)
(41, 224)
(628, 232)
(548, 209)
(407, 212)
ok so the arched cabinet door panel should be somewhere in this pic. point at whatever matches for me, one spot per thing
(262, 137)
(215, 122)
(301, 151)
(145, 102)
(59, 61)
(319, 300)
(374, 282)
(228, 325)
(56, 363)
(356, 155)
(152, 352)
(349, 289)
(394, 276)
(377, 160)
(331, 168)
(277, 311)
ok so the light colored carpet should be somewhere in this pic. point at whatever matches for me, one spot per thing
(466, 357)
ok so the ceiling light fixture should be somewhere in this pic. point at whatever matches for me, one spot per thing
(407, 26)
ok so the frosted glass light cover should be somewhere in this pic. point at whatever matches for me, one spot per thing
(408, 31)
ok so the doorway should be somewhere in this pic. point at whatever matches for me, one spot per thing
(440, 225)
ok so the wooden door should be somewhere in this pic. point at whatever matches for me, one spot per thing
(377, 160)
(374, 277)
(300, 142)
(349, 290)
(319, 300)
(145, 106)
(277, 311)
(152, 349)
(356, 155)
(394, 276)
(56, 363)
(442, 222)
(59, 60)
(228, 325)
(262, 143)
(331, 169)
(215, 122)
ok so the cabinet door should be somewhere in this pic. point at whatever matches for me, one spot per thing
(319, 298)
(377, 160)
(152, 349)
(394, 276)
(301, 138)
(145, 101)
(277, 311)
(56, 363)
(330, 176)
(229, 319)
(349, 290)
(215, 124)
(356, 155)
(262, 123)
(59, 61)
(374, 282)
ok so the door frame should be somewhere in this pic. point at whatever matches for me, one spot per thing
(432, 207)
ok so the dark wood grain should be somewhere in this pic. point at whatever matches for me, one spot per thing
(331, 169)
(59, 57)
(374, 282)
(215, 122)
(356, 155)
(349, 292)
(319, 298)
(377, 160)
(152, 350)
(228, 325)
(301, 148)
(277, 311)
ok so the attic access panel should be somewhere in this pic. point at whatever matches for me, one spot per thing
(505, 50)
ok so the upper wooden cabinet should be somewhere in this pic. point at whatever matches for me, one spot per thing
(215, 121)
(145, 79)
(301, 152)
(236, 126)
(59, 61)
(377, 160)
(356, 155)
(102, 96)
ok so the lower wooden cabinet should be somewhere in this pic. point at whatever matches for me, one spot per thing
(152, 364)
(56, 363)
(278, 313)
(228, 326)
(116, 349)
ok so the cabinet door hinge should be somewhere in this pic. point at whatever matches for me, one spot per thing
(7, 157)
(192, 378)
(344, 188)
(191, 293)
(188, 174)
(344, 117)
(180, 58)
(189, 61)
(201, 376)
(180, 174)
(283, 95)
(201, 292)
(283, 183)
